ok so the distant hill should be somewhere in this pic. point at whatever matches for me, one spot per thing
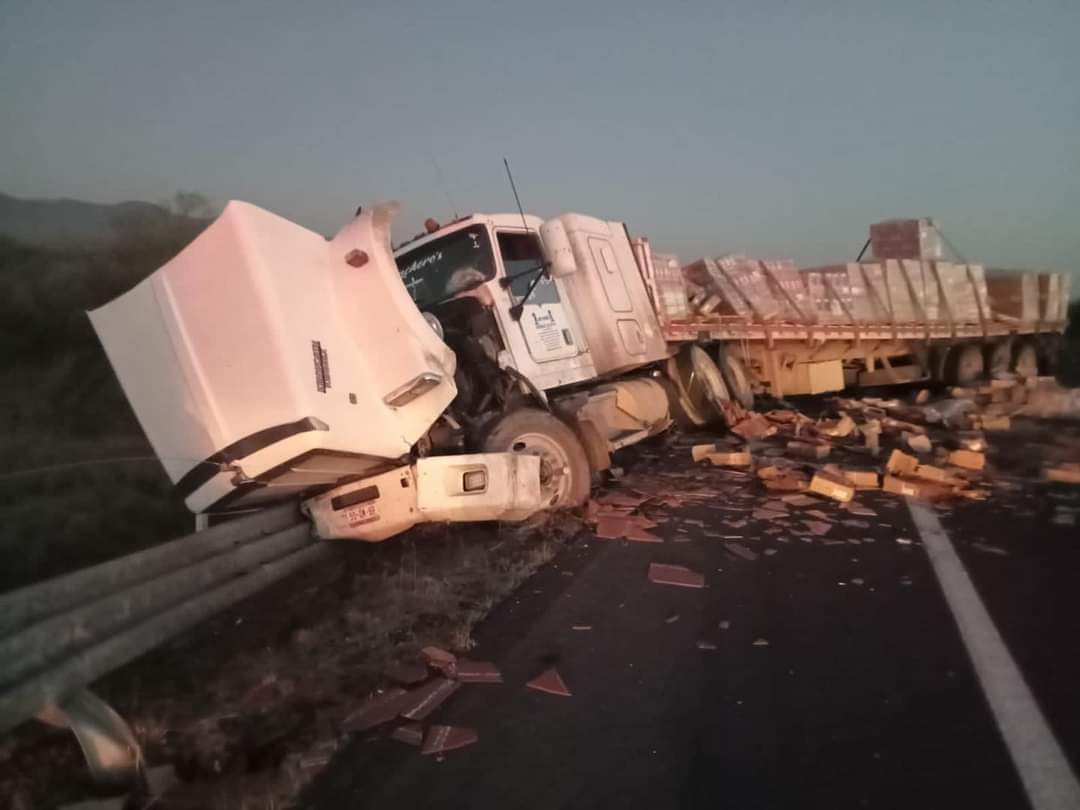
(63, 221)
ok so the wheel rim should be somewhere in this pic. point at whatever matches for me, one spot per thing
(555, 475)
(1027, 364)
(969, 365)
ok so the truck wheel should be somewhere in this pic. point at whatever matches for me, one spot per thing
(964, 364)
(1025, 360)
(564, 469)
(998, 357)
(735, 376)
(700, 386)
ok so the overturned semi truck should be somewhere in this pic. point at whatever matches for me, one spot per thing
(490, 367)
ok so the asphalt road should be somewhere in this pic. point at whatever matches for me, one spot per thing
(863, 696)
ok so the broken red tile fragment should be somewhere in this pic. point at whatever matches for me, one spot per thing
(409, 733)
(640, 534)
(376, 710)
(423, 701)
(440, 739)
(610, 527)
(468, 671)
(739, 550)
(551, 682)
(437, 657)
(677, 575)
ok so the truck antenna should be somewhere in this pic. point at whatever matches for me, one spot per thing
(513, 188)
(442, 182)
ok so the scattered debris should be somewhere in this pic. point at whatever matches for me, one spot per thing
(468, 671)
(438, 658)
(754, 427)
(376, 710)
(967, 459)
(832, 488)
(739, 550)
(581, 627)
(706, 645)
(989, 549)
(761, 642)
(918, 442)
(419, 703)
(904, 541)
(739, 459)
(409, 733)
(724, 624)
(440, 739)
(1068, 473)
(807, 450)
(677, 575)
(674, 617)
(551, 682)
(799, 500)
(699, 452)
(817, 527)
(837, 428)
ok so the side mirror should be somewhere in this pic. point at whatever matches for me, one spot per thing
(557, 244)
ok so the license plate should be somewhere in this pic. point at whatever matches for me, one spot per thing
(364, 513)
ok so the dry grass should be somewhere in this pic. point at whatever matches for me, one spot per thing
(249, 705)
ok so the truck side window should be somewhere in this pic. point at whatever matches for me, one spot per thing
(521, 252)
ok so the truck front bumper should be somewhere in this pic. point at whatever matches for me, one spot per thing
(477, 487)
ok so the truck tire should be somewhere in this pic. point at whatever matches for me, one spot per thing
(964, 364)
(735, 376)
(564, 469)
(1025, 359)
(700, 387)
(999, 357)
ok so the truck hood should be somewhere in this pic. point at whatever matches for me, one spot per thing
(262, 346)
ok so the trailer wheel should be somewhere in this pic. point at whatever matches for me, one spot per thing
(998, 357)
(564, 469)
(699, 385)
(735, 376)
(965, 364)
(1025, 360)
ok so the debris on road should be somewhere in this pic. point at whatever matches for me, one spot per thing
(761, 642)
(678, 575)
(738, 459)
(808, 450)
(376, 710)
(706, 645)
(441, 739)
(739, 550)
(832, 488)
(438, 658)
(409, 733)
(421, 702)
(1068, 473)
(551, 682)
(967, 459)
(468, 671)
(989, 549)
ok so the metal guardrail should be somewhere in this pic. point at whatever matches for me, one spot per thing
(58, 636)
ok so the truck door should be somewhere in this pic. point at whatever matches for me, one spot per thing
(544, 322)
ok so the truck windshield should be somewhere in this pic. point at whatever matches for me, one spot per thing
(441, 268)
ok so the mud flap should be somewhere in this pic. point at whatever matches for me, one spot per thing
(476, 487)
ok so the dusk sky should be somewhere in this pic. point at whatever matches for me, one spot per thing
(781, 129)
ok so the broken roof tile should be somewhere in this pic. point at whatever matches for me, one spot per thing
(408, 733)
(678, 575)
(551, 682)
(376, 710)
(739, 550)
(469, 671)
(440, 739)
(423, 701)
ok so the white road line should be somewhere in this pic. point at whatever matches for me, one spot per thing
(1044, 770)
